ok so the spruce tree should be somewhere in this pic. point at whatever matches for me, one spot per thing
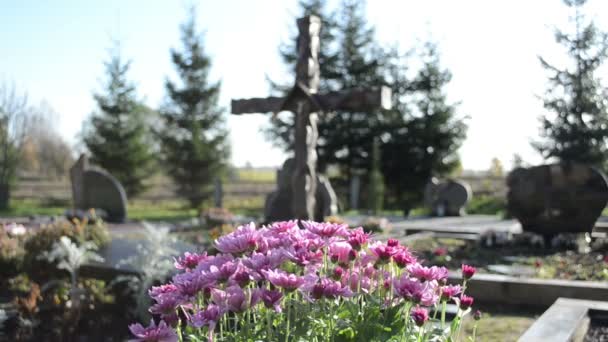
(426, 141)
(116, 135)
(193, 137)
(576, 98)
(376, 180)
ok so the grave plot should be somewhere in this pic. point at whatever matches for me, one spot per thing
(570, 320)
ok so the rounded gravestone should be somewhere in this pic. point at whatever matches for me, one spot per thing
(557, 198)
(279, 203)
(103, 191)
(447, 198)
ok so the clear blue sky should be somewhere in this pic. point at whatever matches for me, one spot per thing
(55, 49)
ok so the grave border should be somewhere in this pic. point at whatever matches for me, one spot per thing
(529, 292)
(566, 320)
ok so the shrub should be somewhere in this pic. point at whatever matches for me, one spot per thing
(42, 241)
(11, 254)
(322, 283)
(376, 225)
(213, 217)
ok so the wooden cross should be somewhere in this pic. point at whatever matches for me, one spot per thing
(304, 101)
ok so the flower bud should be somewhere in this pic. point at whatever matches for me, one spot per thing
(468, 271)
(477, 315)
(465, 302)
(420, 316)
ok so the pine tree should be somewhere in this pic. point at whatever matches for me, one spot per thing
(424, 143)
(116, 135)
(376, 180)
(193, 137)
(576, 97)
(345, 138)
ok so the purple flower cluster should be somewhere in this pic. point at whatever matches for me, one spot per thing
(259, 268)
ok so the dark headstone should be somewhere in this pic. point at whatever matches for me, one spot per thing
(218, 193)
(94, 188)
(447, 198)
(557, 198)
(104, 191)
(278, 203)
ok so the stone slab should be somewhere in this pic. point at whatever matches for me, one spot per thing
(473, 224)
(566, 320)
(120, 249)
(530, 292)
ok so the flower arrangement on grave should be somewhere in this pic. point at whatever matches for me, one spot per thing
(325, 282)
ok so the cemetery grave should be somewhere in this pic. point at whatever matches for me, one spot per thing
(530, 263)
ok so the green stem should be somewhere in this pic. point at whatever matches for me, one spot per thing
(268, 326)
(444, 308)
(288, 318)
(474, 332)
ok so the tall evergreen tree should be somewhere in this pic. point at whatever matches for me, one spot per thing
(193, 136)
(116, 135)
(426, 142)
(376, 180)
(576, 98)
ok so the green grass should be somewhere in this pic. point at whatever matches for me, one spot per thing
(257, 176)
(499, 327)
(22, 208)
(170, 211)
(487, 205)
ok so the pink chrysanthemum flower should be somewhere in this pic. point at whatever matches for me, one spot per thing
(243, 239)
(357, 238)
(190, 260)
(327, 288)
(428, 273)
(468, 271)
(153, 333)
(156, 291)
(465, 302)
(403, 257)
(191, 283)
(208, 317)
(326, 229)
(340, 252)
(284, 280)
(272, 299)
(407, 288)
(450, 291)
(382, 251)
(419, 315)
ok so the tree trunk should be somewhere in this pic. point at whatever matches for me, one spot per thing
(5, 195)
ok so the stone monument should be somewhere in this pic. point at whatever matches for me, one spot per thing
(278, 203)
(447, 198)
(306, 104)
(94, 188)
(557, 198)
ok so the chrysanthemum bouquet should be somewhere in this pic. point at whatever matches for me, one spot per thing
(325, 282)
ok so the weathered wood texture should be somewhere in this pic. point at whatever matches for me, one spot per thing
(306, 104)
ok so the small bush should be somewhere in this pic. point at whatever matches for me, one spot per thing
(487, 205)
(42, 241)
(376, 225)
(213, 217)
(11, 254)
